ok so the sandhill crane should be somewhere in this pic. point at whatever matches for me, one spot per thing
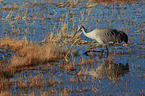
(105, 36)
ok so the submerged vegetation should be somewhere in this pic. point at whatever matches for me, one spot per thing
(39, 55)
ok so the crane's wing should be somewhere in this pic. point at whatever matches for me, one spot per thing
(108, 36)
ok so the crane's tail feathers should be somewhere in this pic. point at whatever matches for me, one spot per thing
(124, 37)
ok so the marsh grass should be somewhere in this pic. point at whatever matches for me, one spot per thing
(31, 53)
(28, 54)
(74, 3)
(112, 1)
(8, 8)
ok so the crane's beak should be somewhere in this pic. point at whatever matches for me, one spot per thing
(75, 33)
(78, 29)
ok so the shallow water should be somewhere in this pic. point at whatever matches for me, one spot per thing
(45, 17)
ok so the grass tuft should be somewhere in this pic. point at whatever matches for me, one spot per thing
(29, 55)
(13, 44)
(33, 54)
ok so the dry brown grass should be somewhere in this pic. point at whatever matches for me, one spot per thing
(4, 74)
(110, 1)
(33, 54)
(7, 8)
(12, 44)
(27, 55)
(5, 93)
(74, 3)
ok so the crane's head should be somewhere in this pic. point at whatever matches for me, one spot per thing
(78, 29)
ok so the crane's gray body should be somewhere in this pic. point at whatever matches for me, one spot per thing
(106, 36)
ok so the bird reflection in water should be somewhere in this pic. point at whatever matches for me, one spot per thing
(106, 70)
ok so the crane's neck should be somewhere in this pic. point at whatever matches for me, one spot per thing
(84, 30)
(90, 34)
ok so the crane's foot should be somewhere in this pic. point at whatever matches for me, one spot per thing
(86, 53)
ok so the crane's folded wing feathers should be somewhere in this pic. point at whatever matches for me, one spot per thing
(107, 36)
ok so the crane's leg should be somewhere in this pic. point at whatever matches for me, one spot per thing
(104, 49)
(107, 50)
